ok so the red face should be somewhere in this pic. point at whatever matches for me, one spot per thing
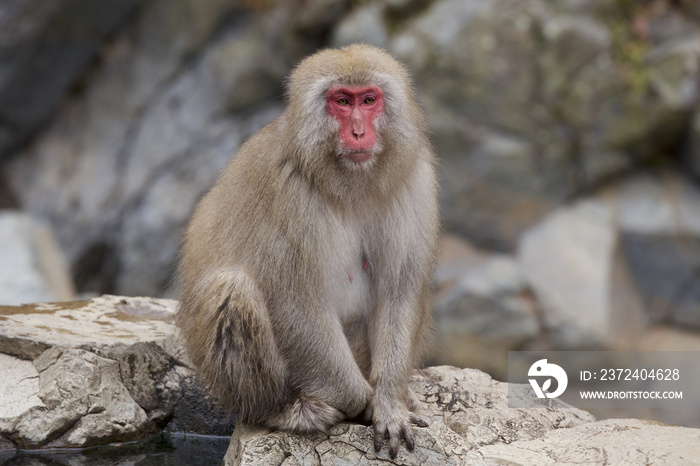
(356, 108)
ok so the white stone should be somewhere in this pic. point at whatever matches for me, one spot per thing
(567, 260)
(19, 386)
(32, 265)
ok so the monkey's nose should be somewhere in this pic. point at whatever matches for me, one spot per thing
(358, 131)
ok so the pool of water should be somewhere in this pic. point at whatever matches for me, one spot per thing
(159, 450)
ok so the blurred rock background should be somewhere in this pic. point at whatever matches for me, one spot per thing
(568, 132)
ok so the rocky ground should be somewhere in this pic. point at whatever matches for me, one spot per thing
(111, 369)
(94, 372)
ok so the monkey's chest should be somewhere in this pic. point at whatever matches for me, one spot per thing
(350, 282)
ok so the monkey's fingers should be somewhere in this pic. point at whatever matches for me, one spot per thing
(378, 438)
(395, 433)
(408, 436)
(417, 421)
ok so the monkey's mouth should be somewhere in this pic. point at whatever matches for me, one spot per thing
(358, 156)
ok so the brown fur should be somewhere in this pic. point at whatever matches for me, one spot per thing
(278, 313)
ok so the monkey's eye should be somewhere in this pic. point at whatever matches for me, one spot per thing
(368, 100)
(342, 101)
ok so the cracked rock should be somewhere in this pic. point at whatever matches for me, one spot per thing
(466, 410)
(84, 373)
(471, 423)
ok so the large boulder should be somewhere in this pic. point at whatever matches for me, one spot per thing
(532, 102)
(482, 308)
(608, 266)
(93, 372)
(624, 442)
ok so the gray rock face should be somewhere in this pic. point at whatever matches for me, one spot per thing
(32, 265)
(138, 117)
(466, 410)
(529, 102)
(609, 266)
(533, 101)
(174, 98)
(93, 372)
(43, 48)
(482, 307)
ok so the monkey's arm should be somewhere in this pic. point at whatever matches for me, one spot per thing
(391, 337)
(403, 311)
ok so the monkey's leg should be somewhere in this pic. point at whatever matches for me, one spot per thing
(233, 346)
(247, 363)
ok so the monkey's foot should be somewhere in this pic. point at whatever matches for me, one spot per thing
(395, 424)
(307, 414)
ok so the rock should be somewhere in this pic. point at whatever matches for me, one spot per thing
(33, 265)
(141, 130)
(533, 102)
(106, 370)
(471, 423)
(656, 203)
(567, 261)
(613, 441)
(43, 49)
(466, 410)
(365, 24)
(482, 306)
(606, 267)
(666, 270)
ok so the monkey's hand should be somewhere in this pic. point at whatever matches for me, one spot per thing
(393, 419)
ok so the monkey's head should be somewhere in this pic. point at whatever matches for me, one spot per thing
(353, 105)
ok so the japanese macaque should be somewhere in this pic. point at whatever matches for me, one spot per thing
(306, 269)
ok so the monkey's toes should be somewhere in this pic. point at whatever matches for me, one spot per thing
(417, 421)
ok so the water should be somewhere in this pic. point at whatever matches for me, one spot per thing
(159, 450)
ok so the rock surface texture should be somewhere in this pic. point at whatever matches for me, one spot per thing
(88, 373)
(471, 423)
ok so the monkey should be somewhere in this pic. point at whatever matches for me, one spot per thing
(305, 271)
